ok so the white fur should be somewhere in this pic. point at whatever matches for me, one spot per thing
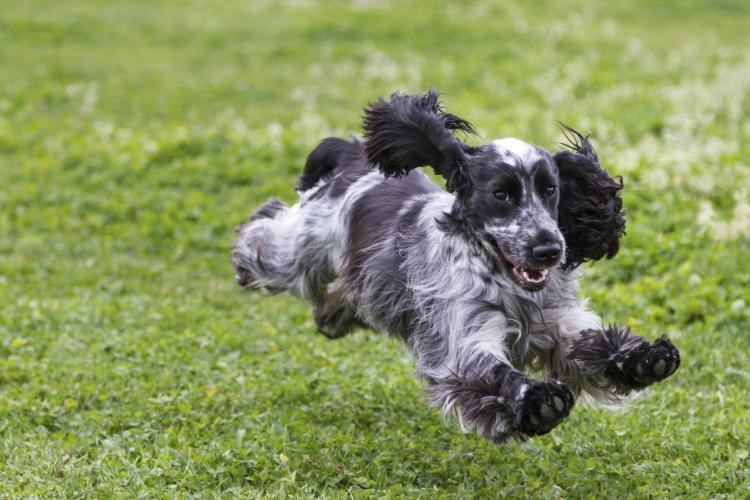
(516, 152)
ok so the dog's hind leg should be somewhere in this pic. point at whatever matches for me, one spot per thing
(334, 316)
(336, 321)
(263, 252)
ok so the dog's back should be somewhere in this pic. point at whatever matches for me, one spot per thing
(317, 248)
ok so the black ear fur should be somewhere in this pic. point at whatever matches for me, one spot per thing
(590, 212)
(411, 131)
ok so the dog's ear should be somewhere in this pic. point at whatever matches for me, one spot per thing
(411, 131)
(590, 213)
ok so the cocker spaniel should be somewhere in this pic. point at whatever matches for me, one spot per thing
(479, 281)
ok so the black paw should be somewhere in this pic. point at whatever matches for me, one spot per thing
(648, 364)
(542, 406)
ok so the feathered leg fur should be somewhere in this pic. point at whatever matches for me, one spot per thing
(504, 403)
(627, 361)
(607, 363)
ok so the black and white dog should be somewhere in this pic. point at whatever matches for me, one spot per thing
(479, 281)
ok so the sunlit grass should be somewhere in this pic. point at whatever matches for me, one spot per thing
(135, 136)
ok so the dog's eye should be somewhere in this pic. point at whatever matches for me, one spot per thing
(550, 190)
(501, 195)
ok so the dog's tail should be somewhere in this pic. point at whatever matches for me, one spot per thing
(332, 153)
(260, 256)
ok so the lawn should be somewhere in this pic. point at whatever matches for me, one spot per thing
(136, 135)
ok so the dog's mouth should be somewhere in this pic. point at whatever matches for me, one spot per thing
(529, 279)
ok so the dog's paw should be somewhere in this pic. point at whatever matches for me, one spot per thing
(645, 365)
(542, 406)
(651, 364)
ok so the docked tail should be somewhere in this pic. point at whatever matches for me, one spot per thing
(332, 153)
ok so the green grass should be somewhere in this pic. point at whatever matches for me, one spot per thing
(135, 136)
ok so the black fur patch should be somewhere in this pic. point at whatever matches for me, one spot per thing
(374, 219)
(590, 214)
(331, 154)
(411, 131)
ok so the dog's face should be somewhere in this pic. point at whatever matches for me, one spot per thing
(513, 207)
(530, 209)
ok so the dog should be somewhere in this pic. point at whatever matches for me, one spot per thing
(479, 280)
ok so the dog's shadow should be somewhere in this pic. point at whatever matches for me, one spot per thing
(385, 433)
(388, 434)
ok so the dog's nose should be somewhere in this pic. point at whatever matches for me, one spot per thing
(547, 252)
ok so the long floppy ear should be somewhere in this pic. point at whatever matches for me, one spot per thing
(411, 131)
(590, 212)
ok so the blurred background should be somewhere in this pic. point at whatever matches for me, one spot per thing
(135, 136)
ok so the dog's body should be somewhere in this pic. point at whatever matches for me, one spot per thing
(481, 284)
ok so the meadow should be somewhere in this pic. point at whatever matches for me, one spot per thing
(136, 135)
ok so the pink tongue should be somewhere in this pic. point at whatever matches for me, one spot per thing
(533, 274)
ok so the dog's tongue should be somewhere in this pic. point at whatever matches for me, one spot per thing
(533, 276)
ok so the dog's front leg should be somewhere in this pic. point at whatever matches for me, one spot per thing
(608, 362)
(628, 361)
(503, 403)
(469, 373)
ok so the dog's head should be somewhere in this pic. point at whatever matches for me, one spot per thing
(530, 209)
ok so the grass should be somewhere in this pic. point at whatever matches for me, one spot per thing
(135, 136)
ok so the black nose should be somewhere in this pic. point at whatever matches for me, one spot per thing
(547, 252)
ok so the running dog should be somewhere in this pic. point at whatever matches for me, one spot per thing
(479, 280)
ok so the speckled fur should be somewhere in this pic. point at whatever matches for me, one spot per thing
(388, 249)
